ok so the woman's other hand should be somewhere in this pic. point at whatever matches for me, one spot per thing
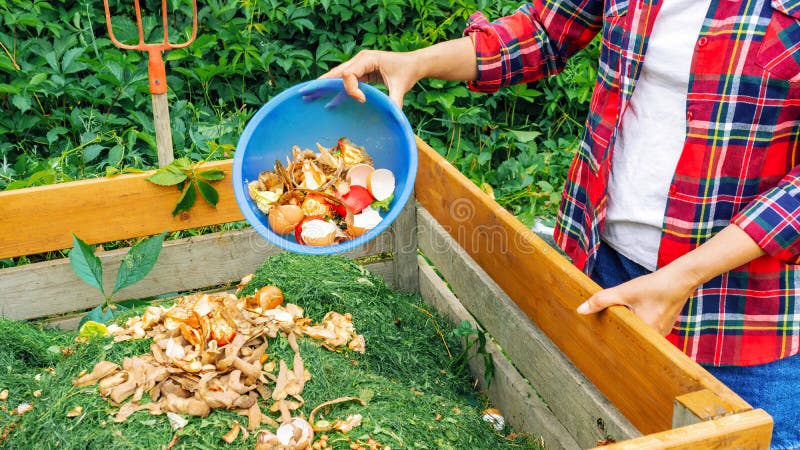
(657, 298)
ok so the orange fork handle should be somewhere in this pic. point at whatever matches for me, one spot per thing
(156, 71)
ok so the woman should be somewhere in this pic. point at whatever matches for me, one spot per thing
(683, 199)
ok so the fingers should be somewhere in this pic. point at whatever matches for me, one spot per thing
(599, 302)
(351, 87)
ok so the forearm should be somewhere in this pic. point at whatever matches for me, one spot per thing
(449, 60)
(729, 249)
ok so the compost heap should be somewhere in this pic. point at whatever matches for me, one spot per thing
(392, 386)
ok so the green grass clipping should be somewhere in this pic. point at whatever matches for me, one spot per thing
(413, 398)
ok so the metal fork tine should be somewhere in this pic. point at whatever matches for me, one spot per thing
(139, 21)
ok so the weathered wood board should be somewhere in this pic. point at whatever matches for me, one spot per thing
(633, 366)
(579, 406)
(516, 399)
(51, 287)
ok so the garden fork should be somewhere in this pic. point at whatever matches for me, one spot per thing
(157, 73)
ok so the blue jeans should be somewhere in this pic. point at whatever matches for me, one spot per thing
(774, 387)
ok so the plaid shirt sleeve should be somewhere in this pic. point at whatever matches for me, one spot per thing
(773, 219)
(532, 43)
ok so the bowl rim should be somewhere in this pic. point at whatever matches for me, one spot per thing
(243, 198)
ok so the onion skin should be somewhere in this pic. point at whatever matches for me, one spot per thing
(284, 218)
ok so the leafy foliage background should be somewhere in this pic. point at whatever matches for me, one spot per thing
(75, 106)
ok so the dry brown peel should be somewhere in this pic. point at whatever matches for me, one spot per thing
(189, 371)
(231, 435)
(331, 403)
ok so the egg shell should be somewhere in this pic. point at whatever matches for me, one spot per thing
(284, 218)
(318, 232)
(359, 174)
(381, 184)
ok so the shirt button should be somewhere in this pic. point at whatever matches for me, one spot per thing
(672, 189)
(702, 41)
(689, 115)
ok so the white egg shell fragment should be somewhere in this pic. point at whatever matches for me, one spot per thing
(367, 219)
(381, 184)
(318, 232)
(359, 174)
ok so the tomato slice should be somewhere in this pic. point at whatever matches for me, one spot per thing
(357, 199)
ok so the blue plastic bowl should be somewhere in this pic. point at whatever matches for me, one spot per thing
(288, 119)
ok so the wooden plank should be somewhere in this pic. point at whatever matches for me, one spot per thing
(697, 407)
(509, 392)
(746, 430)
(404, 248)
(51, 287)
(383, 269)
(583, 410)
(607, 347)
(99, 210)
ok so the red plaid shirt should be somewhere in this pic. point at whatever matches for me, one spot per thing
(739, 163)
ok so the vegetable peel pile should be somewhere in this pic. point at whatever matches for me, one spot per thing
(324, 198)
(209, 351)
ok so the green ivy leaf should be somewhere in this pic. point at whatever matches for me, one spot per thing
(168, 175)
(187, 199)
(211, 174)
(86, 264)
(208, 192)
(139, 261)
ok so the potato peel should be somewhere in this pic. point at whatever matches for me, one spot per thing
(191, 371)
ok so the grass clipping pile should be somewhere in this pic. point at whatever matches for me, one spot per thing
(253, 371)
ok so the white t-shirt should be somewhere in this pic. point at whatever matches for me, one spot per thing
(651, 137)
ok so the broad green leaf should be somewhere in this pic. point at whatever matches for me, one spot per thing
(115, 155)
(187, 199)
(91, 152)
(168, 175)
(22, 102)
(208, 192)
(139, 261)
(8, 89)
(525, 136)
(545, 186)
(37, 79)
(86, 264)
(211, 174)
(182, 163)
(69, 58)
(52, 60)
(55, 133)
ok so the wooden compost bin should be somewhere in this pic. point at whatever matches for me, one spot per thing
(573, 380)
